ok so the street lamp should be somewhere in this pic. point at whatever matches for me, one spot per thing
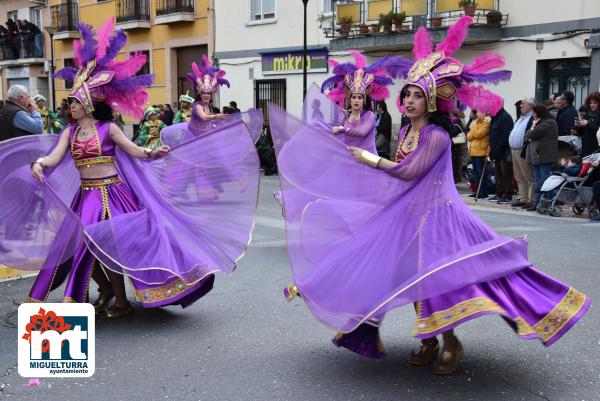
(51, 31)
(305, 2)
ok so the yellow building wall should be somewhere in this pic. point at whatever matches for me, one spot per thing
(415, 7)
(375, 8)
(452, 5)
(349, 10)
(154, 39)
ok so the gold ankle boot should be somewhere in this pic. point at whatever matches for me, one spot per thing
(450, 360)
(427, 353)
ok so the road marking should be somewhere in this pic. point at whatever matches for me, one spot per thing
(270, 222)
(268, 244)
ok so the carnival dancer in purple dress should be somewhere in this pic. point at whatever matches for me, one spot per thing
(352, 87)
(207, 120)
(364, 238)
(122, 212)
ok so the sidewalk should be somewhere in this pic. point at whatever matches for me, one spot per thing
(465, 191)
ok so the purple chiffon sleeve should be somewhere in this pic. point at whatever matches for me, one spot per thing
(365, 127)
(433, 145)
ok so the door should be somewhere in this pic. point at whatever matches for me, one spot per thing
(185, 57)
(269, 91)
(571, 74)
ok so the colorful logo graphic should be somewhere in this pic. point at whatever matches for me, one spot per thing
(56, 340)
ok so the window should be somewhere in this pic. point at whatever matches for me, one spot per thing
(327, 6)
(68, 62)
(146, 68)
(261, 10)
(36, 17)
(13, 15)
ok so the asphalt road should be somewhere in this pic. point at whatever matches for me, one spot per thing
(244, 342)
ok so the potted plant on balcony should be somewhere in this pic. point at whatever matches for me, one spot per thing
(436, 21)
(494, 17)
(385, 20)
(375, 27)
(469, 6)
(398, 21)
(345, 25)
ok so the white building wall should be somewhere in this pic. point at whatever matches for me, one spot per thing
(531, 12)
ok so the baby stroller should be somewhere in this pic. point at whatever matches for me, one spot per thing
(561, 188)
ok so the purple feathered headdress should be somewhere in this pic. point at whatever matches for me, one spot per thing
(207, 78)
(443, 78)
(357, 77)
(98, 76)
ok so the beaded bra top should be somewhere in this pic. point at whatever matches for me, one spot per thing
(97, 149)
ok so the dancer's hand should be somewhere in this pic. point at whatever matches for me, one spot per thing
(337, 130)
(160, 152)
(220, 116)
(355, 152)
(37, 171)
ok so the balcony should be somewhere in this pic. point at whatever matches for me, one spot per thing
(385, 24)
(171, 11)
(66, 17)
(132, 14)
(22, 51)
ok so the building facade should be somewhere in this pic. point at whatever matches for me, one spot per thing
(260, 45)
(20, 62)
(172, 34)
(550, 45)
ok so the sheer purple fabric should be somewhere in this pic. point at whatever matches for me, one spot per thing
(363, 241)
(322, 112)
(178, 134)
(180, 230)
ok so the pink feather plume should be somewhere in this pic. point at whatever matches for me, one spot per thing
(359, 58)
(196, 69)
(332, 63)
(77, 53)
(484, 63)
(103, 37)
(456, 36)
(422, 46)
(128, 67)
(477, 97)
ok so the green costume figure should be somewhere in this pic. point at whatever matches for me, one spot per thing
(185, 109)
(150, 133)
(52, 123)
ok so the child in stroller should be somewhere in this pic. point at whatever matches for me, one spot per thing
(569, 185)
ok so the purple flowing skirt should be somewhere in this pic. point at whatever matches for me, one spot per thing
(362, 242)
(98, 200)
(168, 238)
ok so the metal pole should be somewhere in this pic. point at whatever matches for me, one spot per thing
(305, 55)
(52, 72)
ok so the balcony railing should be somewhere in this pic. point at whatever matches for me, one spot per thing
(132, 10)
(438, 21)
(65, 16)
(166, 7)
(22, 49)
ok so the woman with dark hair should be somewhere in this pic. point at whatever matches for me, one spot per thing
(384, 130)
(351, 266)
(542, 147)
(587, 127)
(353, 87)
(168, 114)
(122, 212)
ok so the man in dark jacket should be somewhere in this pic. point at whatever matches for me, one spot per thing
(384, 131)
(542, 148)
(566, 116)
(20, 115)
(500, 128)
